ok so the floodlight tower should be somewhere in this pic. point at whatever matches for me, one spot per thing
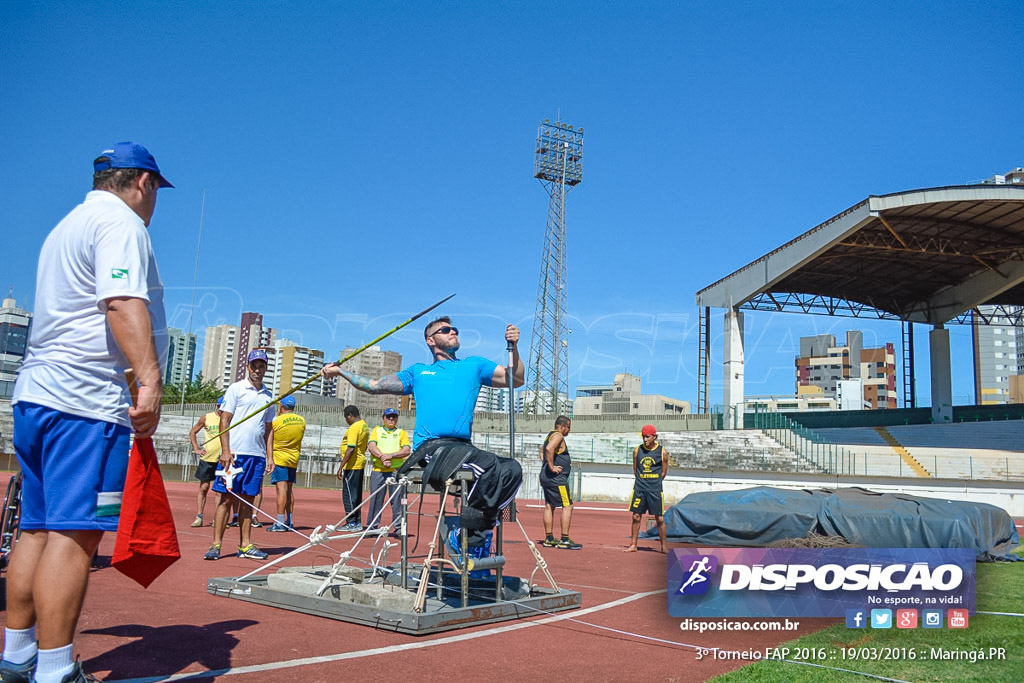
(558, 164)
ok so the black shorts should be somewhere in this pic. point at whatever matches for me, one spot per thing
(206, 471)
(556, 492)
(650, 502)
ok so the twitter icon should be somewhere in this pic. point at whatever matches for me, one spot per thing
(881, 618)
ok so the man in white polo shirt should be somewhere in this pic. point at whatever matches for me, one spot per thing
(246, 447)
(99, 311)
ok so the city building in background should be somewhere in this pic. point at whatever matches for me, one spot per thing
(1014, 177)
(371, 363)
(293, 365)
(625, 398)
(220, 355)
(181, 357)
(826, 370)
(252, 335)
(491, 400)
(14, 328)
(789, 404)
(998, 347)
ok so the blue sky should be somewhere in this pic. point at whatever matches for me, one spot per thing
(362, 160)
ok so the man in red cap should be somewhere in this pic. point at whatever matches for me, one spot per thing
(650, 466)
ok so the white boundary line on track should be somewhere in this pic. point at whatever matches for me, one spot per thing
(577, 506)
(358, 654)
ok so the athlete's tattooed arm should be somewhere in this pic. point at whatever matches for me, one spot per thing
(389, 384)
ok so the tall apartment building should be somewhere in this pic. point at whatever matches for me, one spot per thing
(998, 356)
(252, 335)
(181, 356)
(220, 355)
(14, 328)
(371, 363)
(823, 368)
(292, 365)
(625, 398)
(491, 400)
(1014, 177)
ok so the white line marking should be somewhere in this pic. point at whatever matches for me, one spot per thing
(577, 506)
(358, 654)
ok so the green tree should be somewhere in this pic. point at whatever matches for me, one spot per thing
(196, 391)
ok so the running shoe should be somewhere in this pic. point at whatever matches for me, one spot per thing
(277, 527)
(549, 542)
(198, 521)
(17, 673)
(213, 553)
(252, 552)
(256, 522)
(78, 676)
(568, 544)
(234, 521)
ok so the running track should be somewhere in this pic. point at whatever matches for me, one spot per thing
(175, 630)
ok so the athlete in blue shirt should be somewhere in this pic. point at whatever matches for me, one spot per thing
(446, 391)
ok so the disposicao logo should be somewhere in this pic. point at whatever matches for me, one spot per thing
(697, 581)
(818, 582)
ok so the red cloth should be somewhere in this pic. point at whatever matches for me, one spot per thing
(146, 542)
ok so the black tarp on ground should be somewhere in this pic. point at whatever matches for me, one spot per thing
(762, 514)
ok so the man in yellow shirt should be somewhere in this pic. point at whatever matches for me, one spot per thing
(353, 462)
(389, 446)
(209, 454)
(289, 429)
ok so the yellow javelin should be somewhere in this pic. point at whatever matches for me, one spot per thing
(343, 360)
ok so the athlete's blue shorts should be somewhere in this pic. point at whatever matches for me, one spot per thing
(73, 469)
(282, 473)
(247, 482)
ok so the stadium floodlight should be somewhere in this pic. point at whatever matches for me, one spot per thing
(558, 164)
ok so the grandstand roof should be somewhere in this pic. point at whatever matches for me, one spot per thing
(928, 255)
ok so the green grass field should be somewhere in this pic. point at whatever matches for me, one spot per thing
(1000, 588)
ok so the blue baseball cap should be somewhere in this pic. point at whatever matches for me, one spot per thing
(257, 354)
(128, 155)
(288, 402)
(389, 412)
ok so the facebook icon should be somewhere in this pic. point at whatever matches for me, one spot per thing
(856, 618)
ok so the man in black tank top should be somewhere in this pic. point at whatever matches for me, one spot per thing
(554, 482)
(650, 465)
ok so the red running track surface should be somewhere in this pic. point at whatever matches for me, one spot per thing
(176, 629)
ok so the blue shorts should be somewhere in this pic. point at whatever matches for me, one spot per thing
(249, 481)
(282, 473)
(73, 469)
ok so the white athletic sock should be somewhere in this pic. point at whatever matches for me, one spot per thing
(20, 644)
(54, 664)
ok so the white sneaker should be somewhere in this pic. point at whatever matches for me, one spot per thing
(197, 522)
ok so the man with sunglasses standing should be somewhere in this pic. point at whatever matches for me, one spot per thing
(446, 391)
(389, 446)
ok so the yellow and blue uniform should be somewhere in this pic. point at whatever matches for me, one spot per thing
(357, 436)
(289, 429)
(211, 431)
